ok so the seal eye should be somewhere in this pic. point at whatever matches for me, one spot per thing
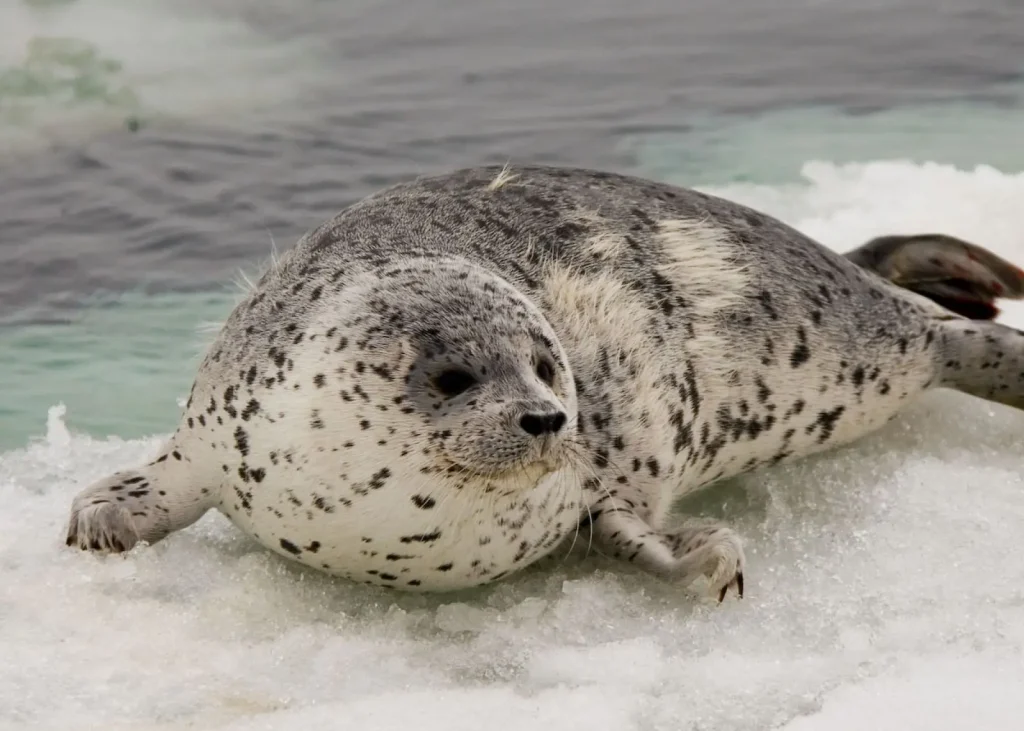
(455, 381)
(545, 372)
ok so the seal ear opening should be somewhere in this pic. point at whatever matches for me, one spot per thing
(955, 274)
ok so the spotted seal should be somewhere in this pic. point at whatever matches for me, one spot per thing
(451, 377)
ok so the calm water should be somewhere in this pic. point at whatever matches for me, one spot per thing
(149, 150)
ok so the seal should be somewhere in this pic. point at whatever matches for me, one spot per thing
(458, 374)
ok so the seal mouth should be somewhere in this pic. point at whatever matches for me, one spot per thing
(537, 466)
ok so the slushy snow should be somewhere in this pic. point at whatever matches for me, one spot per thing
(885, 587)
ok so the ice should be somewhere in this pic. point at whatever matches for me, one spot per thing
(885, 589)
(982, 690)
(73, 68)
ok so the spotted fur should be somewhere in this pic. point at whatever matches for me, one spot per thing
(627, 342)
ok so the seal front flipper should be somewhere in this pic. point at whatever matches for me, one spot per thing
(144, 504)
(954, 273)
(699, 547)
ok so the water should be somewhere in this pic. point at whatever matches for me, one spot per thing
(151, 150)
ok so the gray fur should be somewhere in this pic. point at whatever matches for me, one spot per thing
(984, 359)
(690, 339)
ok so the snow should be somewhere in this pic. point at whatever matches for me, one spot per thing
(885, 588)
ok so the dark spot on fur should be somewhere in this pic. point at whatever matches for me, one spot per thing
(827, 422)
(241, 441)
(250, 409)
(379, 477)
(766, 301)
(763, 392)
(421, 537)
(800, 354)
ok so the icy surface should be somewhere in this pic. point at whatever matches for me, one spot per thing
(885, 590)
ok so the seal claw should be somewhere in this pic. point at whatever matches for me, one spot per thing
(737, 582)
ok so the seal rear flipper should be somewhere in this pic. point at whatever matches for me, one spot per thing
(953, 273)
(146, 504)
(984, 359)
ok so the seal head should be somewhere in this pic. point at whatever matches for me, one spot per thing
(451, 414)
(485, 372)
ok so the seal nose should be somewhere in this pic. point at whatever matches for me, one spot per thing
(537, 424)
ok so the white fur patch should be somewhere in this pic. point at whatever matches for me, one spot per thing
(595, 311)
(599, 309)
(606, 245)
(599, 312)
(704, 263)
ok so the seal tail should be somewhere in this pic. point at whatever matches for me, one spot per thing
(983, 359)
(956, 274)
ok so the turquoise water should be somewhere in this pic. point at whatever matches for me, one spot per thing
(769, 147)
(119, 367)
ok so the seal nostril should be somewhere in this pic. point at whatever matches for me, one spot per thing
(537, 424)
(532, 424)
